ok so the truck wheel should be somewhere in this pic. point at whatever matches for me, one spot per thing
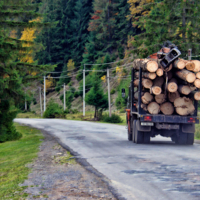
(133, 131)
(139, 137)
(182, 138)
(146, 137)
(190, 138)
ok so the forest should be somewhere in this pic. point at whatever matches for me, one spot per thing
(62, 36)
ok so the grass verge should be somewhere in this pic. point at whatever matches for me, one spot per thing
(28, 115)
(14, 156)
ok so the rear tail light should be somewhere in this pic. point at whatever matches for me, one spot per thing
(148, 118)
(191, 120)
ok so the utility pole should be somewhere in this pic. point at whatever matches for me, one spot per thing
(189, 54)
(40, 100)
(25, 102)
(64, 98)
(44, 93)
(84, 91)
(109, 103)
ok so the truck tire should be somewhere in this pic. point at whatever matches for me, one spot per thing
(182, 138)
(147, 137)
(139, 136)
(133, 131)
(190, 138)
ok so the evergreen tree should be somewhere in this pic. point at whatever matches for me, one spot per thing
(96, 97)
(176, 21)
(13, 72)
(80, 23)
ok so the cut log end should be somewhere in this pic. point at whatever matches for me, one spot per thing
(190, 78)
(152, 75)
(147, 83)
(152, 66)
(190, 66)
(197, 83)
(172, 87)
(197, 65)
(156, 90)
(147, 98)
(198, 75)
(184, 106)
(173, 96)
(159, 72)
(161, 98)
(184, 89)
(180, 64)
(153, 108)
(197, 96)
(167, 108)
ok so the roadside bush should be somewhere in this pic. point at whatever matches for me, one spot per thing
(113, 119)
(53, 110)
(34, 101)
(74, 111)
(112, 91)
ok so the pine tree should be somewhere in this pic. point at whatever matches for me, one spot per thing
(176, 21)
(80, 23)
(13, 72)
(96, 97)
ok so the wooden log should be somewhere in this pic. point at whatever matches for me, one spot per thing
(179, 64)
(167, 108)
(146, 83)
(136, 95)
(197, 65)
(186, 75)
(159, 72)
(172, 85)
(149, 75)
(153, 108)
(161, 98)
(195, 95)
(146, 98)
(184, 89)
(157, 85)
(143, 106)
(149, 65)
(197, 83)
(189, 65)
(198, 75)
(184, 106)
(173, 96)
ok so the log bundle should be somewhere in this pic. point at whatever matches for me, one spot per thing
(170, 91)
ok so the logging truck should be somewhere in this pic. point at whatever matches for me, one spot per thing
(163, 100)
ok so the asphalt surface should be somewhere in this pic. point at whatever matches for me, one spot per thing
(159, 170)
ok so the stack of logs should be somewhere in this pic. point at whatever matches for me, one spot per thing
(169, 91)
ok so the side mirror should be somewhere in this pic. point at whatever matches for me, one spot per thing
(123, 93)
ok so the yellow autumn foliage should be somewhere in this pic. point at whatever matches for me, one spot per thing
(29, 34)
(50, 82)
(137, 8)
(103, 78)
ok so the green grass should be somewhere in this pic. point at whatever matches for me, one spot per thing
(14, 156)
(28, 115)
(197, 132)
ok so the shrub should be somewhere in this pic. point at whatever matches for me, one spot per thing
(74, 111)
(34, 101)
(112, 91)
(53, 110)
(76, 94)
(113, 119)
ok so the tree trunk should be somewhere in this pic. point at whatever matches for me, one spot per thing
(153, 108)
(195, 95)
(197, 65)
(160, 72)
(157, 85)
(173, 96)
(198, 75)
(186, 75)
(143, 106)
(147, 98)
(172, 85)
(184, 106)
(161, 98)
(146, 83)
(150, 75)
(190, 65)
(184, 89)
(197, 83)
(149, 65)
(167, 108)
(179, 64)
(95, 112)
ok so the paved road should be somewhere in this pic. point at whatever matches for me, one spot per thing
(160, 170)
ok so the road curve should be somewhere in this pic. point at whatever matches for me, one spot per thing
(160, 170)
